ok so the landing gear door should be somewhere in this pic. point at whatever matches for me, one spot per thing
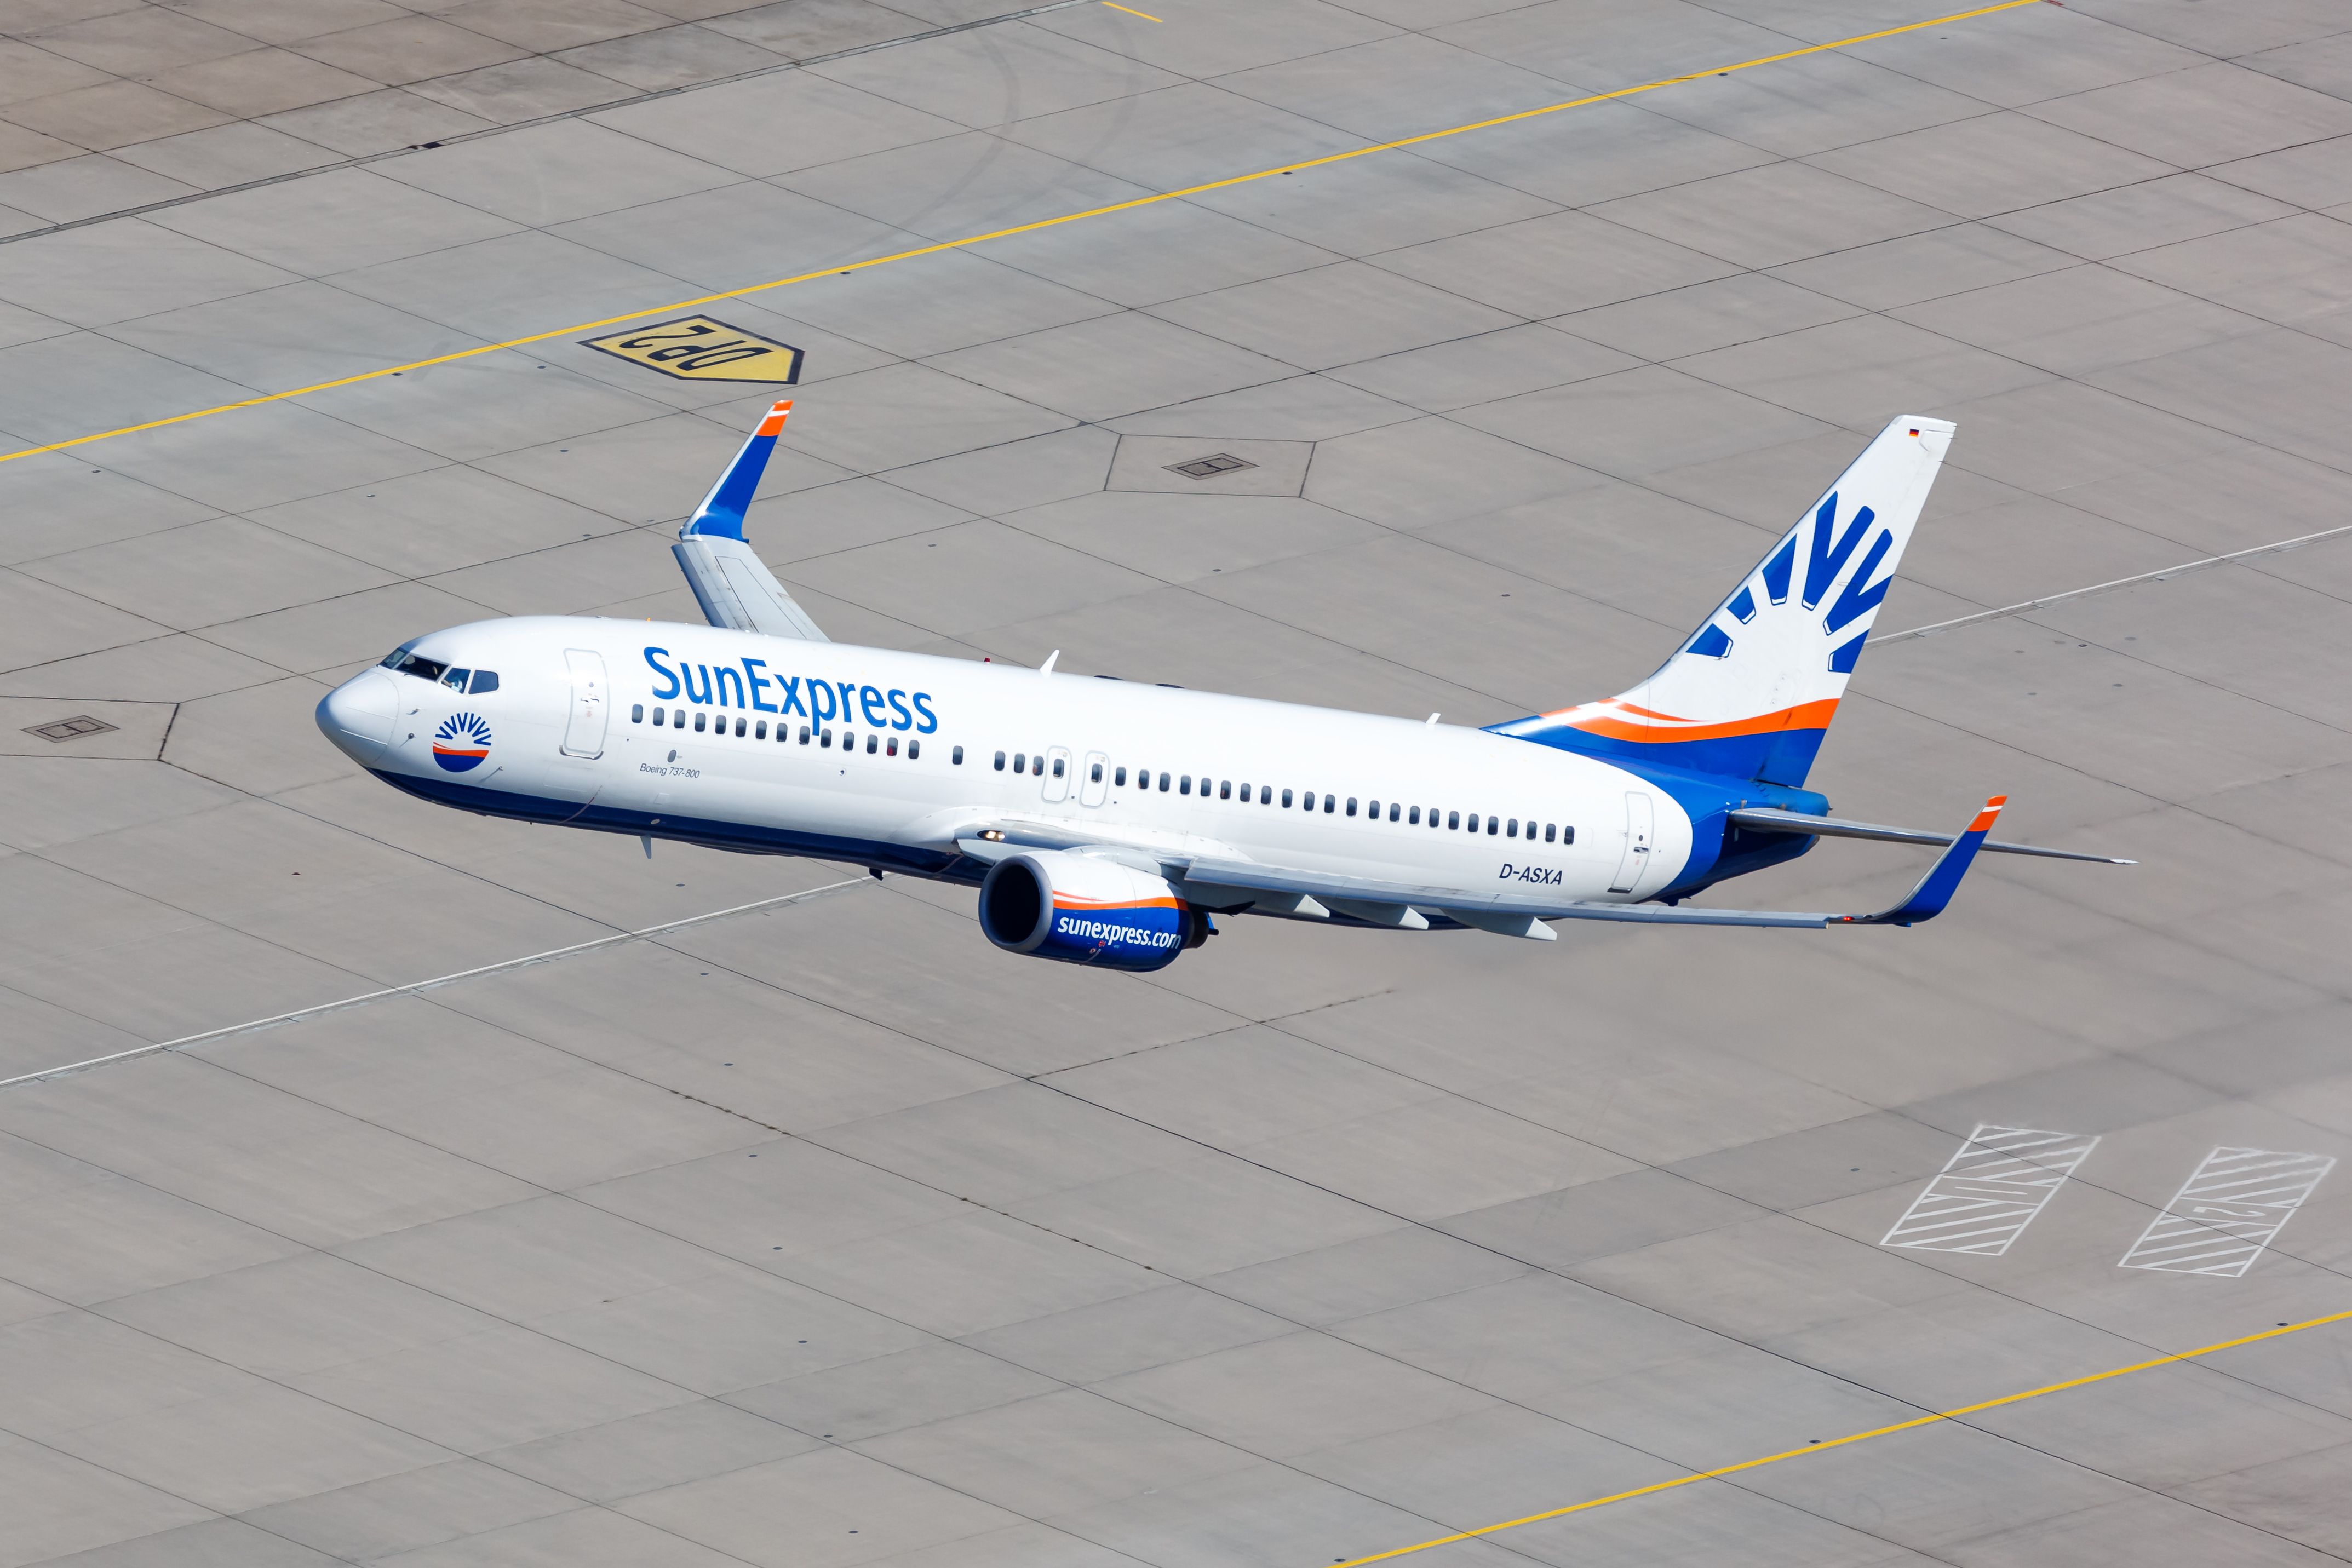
(583, 731)
(1058, 774)
(1095, 782)
(1638, 828)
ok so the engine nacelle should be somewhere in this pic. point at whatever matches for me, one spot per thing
(1083, 909)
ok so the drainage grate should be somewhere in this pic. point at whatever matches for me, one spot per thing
(1210, 467)
(70, 728)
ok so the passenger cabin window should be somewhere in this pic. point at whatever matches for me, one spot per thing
(891, 750)
(1490, 825)
(1351, 806)
(1000, 762)
(657, 719)
(1019, 762)
(1454, 818)
(805, 734)
(1285, 799)
(914, 748)
(1164, 783)
(1118, 777)
(1415, 817)
(1511, 829)
(1225, 790)
(956, 757)
(869, 744)
(1394, 810)
(1187, 785)
(637, 713)
(697, 722)
(760, 730)
(1551, 830)
(1328, 806)
(740, 728)
(1057, 767)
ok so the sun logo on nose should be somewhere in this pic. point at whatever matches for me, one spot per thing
(461, 742)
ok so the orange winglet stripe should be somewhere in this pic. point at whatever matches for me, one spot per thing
(1805, 716)
(774, 424)
(1983, 824)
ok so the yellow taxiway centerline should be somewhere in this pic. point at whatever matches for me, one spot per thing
(1115, 5)
(1823, 1448)
(702, 299)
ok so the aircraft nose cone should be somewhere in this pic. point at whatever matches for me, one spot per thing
(358, 716)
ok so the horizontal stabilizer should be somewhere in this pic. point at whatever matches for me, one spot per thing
(1769, 820)
(732, 584)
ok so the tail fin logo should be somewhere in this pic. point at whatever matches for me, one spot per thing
(461, 742)
(1827, 551)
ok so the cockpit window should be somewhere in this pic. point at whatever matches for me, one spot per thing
(474, 682)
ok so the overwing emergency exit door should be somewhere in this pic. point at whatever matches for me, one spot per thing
(1636, 859)
(583, 731)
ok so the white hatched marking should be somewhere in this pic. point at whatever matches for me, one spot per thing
(1990, 1191)
(2231, 1207)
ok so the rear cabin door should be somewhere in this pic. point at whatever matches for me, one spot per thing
(583, 731)
(1637, 843)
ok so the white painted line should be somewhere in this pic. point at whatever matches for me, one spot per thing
(2102, 587)
(1990, 1191)
(419, 986)
(2231, 1207)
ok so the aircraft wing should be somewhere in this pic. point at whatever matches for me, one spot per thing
(732, 584)
(1766, 820)
(1216, 881)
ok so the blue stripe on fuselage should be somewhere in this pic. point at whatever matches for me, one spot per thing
(744, 837)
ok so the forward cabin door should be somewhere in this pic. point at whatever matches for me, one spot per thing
(1637, 843)
(583, 731)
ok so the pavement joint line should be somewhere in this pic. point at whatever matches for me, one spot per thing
(1851, 1438)
(943, 246)
(2156, 576)
(418, 988)
(582, 112)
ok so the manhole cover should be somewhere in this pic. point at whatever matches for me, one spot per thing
(1210, 466)
(70, 728)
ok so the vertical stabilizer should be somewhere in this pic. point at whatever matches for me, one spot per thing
(1752, 691)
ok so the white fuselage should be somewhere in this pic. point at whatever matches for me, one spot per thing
(889, 790)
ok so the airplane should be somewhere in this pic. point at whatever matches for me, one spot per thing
(1109, 822)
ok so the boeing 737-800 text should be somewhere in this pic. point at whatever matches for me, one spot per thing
(1105, 822)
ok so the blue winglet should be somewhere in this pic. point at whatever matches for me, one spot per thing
(721, 512)
(1943, 879)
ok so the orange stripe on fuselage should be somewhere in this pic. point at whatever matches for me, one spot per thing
(774, 424)
(1805, 716)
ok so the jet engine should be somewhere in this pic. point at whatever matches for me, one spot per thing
(1083, 909)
